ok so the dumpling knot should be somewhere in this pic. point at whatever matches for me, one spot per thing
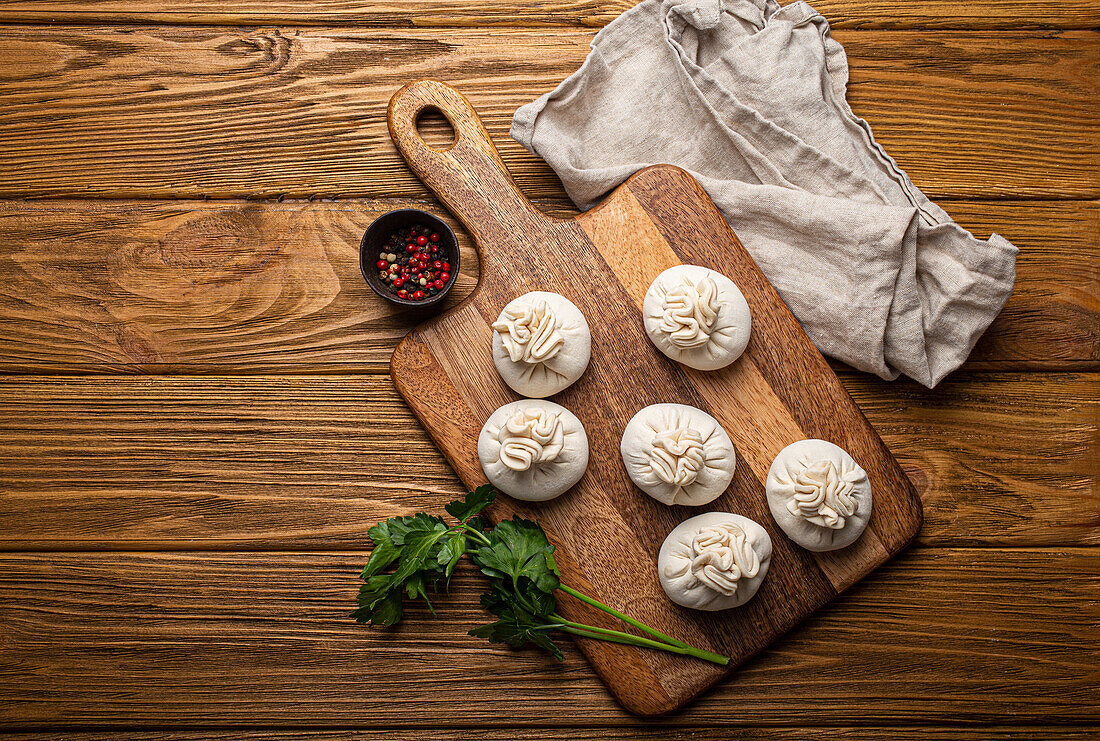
(721, 555)
(690, 311)
(677, 456)
(530, 436)
(822, 492)
(529, 331)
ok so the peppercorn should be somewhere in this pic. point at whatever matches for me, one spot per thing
(414, 258)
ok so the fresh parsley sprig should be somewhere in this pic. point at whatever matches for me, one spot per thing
(419, 552)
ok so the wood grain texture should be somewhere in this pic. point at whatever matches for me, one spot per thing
(264, 639)
(561, 730)
(272, 113)
(606, 533)
(999, 14)
(237, 287)
(114, 641)
(310, 462)
(190, 287)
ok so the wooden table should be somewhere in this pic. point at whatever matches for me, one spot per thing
(197, 427)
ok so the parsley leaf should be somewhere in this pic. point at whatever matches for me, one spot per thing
(516, 625)
(516, 548)
(376, 605)
(450, 553)
(385, 612)
(422, 551)
(475, 501)
(415, 544)
(385, 550)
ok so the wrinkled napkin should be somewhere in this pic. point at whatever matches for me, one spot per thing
(749, 97)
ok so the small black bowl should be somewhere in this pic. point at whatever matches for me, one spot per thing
(374, 241)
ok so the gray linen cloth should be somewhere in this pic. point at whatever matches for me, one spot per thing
(749, 97)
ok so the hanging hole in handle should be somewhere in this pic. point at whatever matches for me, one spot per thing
(434, 129)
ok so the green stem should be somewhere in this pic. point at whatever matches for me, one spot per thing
(630, 640)
(477, 534)
(603, 631)
(615, 636)
(625, 618)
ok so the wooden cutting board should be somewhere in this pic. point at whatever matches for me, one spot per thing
(608, 532)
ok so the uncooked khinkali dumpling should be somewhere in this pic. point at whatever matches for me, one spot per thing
(533, 449)
(678, 454)
(541, 344)
(697, 317)
(819, 495)
(714, 561)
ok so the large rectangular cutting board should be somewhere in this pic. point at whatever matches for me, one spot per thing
(608, 532)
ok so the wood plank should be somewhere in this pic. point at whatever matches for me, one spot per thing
(181, 287)
(312, 462)
(223, 113)
(109, 639)
(444, 370)
(977, 450)
(235, 287)
(990, 14)
(562, 731)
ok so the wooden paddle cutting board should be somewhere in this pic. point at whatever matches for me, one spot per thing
(607, 531)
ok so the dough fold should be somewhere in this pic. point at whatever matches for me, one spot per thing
(541, 344)
(678, 454)
(533, 449)
(714, 561)
(819, 495)
(697, 316)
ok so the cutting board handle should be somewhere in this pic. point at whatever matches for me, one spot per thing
(468, 176)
